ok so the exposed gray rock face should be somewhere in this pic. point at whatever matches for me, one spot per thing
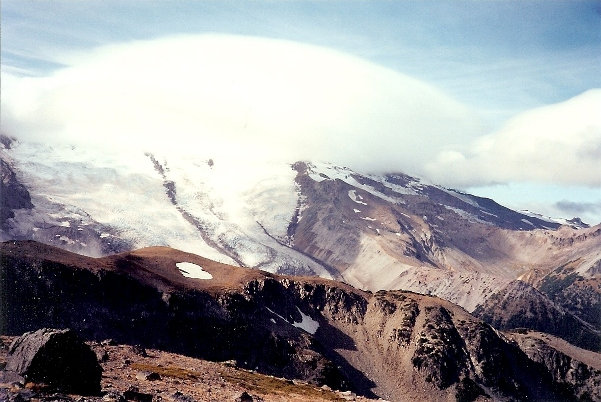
(13, 194)
(58, 358)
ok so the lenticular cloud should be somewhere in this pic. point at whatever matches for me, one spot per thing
(239, 95)
(559, 143)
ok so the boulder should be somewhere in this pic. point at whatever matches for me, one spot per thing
(133, 394)
(58, 358)
(245, 397)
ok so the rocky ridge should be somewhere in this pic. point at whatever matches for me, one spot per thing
(390, 344)
(564, 362)
(519, 305)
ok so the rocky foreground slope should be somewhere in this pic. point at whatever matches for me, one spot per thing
(390, 344)
(133, 373)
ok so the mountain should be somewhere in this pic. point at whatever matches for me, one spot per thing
(579, 370)
(372, 231)
(392, 344)
(519, 305)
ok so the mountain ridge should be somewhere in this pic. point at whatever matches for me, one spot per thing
(388, 344)
(374, 232)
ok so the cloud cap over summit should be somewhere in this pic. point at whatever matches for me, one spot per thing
(220, 91)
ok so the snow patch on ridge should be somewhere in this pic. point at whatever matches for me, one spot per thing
(466, 215)
(190, 270)
(320, 171)
(526, 221)
(549, 219)
(463, 197)
(356, 197)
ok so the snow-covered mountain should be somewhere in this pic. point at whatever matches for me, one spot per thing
(375, 232)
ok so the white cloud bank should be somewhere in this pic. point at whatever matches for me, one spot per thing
(242, 95)
(558, 144)
(284, 100)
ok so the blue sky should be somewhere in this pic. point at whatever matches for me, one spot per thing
(499, 58)
(505, 56)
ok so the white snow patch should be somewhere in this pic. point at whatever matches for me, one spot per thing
(367, 218)
(462, 196)
(190, 270)
(272, 320)
(65, 224)
(104, 235)
(302, 203)
(318, 170)
(467, 215)
(549, 219)
(527, 221)
(307, 324)
(276, 314)
(66, 240)
(488, 213)
(356, 197)
(356, 210)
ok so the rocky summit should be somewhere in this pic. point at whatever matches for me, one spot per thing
(395, 345)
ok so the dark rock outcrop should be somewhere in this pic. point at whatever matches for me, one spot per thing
(133, 394)
(576, 377)
(575, 293)
(14, 195)
(386, 344)
(58, 358)
(519, 305)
